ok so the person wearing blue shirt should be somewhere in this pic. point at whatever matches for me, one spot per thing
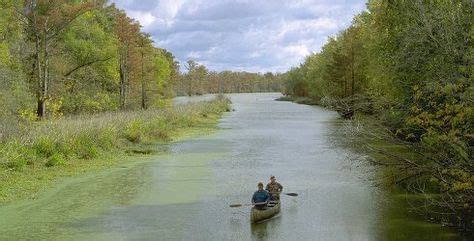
(261, 197)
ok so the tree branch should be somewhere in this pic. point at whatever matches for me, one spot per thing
(85, 64)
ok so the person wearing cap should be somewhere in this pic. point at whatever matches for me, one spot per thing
(274, 188)
(260, 196)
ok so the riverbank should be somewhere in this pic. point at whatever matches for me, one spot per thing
(42, 153)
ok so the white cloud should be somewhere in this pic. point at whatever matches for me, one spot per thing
(297, 51)
(169, 8)
(145, 18)
(193, 55)
(264, 35)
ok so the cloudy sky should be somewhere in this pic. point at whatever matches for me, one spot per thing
(248, 35)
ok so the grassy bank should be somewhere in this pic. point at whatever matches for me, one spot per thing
(40, 153)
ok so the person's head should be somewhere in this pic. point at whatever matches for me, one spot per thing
(272, 179)
(260, 186)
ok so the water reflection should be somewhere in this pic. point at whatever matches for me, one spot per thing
(265, 230)
(259, 231)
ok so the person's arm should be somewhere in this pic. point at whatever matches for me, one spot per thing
(253, 198)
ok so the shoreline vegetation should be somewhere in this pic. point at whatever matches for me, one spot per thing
(43, 152)
(408, 66)
(367, 135)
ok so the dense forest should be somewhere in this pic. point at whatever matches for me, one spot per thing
(77, 56)
(199, 80)
(410, 65)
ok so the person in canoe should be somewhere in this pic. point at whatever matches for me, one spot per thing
(261, 196)
(274, 188)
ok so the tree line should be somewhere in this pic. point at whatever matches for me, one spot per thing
(198, 80)
(410, 65)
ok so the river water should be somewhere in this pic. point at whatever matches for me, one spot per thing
(185, 193)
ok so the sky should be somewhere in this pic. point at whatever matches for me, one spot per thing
(242, 35)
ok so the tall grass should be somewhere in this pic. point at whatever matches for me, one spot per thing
(54, 143)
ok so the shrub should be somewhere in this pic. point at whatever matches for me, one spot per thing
(86, 146)
(108, 137)
(133, 132)
(56, 159)
(17, 156)
(161, 129)
(44, 146)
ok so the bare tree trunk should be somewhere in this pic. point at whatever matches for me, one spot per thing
(123, 78)
(144, 97)
(190, 85)
(45, 73)
(352, 71)
(42, 73)
(37, 77)
(344, 95)
(352, 75)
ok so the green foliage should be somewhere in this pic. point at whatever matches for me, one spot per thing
(44, 146)
(163, 69)
(86, 145)
(134, 131)
(56, 160)
(16, 156)
(338, 71)
(79, 54)
(90, 70)
(160, 129)
(107, 137)
(14, 93)
(156, 77)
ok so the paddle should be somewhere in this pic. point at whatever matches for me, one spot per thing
(287, 193)
(246, 204)
(251, 204)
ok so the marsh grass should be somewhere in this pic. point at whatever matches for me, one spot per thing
(44, 151)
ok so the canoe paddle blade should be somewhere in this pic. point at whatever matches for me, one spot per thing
(246, 204)
(291, 194)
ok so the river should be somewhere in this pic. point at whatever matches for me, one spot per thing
(184, 194)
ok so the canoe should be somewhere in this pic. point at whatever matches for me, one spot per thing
(257, 215)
